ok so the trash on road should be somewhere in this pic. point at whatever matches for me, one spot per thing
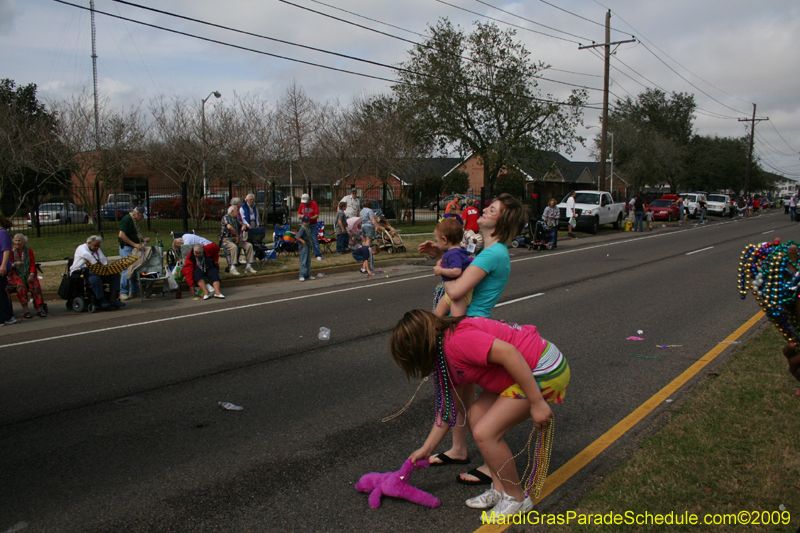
(324, 334)
(228, 406)
(643, 356)
(668, 400)
(664, 346)
(640, 332)
(634, 339)
(320, 275)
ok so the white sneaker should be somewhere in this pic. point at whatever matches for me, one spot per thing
(487, 500)
(311, 277)
(124, 296)
(221, 296)
(302, 278)
(250, 270)
(234, 271)
(319, 258)
(10, 321)
(508, 506)
(207, 297)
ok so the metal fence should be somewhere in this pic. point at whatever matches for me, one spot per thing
(86, 210)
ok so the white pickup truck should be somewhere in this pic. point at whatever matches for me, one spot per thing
(593, 208)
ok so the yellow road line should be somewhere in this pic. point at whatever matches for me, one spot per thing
(560, 476)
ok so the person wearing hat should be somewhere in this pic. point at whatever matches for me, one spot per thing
(310, 209)
(456, 201)
(130, 238)
(353, 204)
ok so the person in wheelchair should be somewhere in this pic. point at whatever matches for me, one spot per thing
(90, 253)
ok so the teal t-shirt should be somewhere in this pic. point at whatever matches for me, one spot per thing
(496, 262)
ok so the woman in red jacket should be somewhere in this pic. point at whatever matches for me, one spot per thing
(203, 263)
(22, 278)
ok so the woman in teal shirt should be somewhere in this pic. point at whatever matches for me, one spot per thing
(488, 275)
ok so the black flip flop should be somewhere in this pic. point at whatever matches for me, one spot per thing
(483, 479)
(446, 460)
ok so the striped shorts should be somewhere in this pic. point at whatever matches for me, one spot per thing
(551, 374)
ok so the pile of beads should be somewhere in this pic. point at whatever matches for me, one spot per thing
(771, 270)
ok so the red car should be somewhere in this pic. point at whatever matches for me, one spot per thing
(663, 209)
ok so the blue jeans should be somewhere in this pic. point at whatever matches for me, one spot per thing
(702, 216)
(305, 261)
(342, 240)
(792, 213)
(637, 224)
(96, 282)
(127, 286)
(315, 242)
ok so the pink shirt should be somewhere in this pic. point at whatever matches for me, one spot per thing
(466, 351)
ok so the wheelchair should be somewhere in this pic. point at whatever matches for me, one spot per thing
(77, 292)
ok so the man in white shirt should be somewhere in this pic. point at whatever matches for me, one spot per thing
(353, 205)
(571, 214)
(90, 254)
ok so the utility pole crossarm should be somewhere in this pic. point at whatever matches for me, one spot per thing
(584, 47)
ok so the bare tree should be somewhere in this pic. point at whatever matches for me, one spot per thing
(298, 120)
(104, 157)
(387, 146)
(175, 148)
(334, 150)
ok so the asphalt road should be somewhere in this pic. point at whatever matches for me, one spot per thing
(111, 422)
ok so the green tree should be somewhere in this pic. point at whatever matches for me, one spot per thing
(32, 160)
(652, 135)
(720, 163)
(456, 182)
(478, 93)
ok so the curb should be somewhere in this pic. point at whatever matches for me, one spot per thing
(283, 276)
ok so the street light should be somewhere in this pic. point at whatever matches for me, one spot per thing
(216, 94)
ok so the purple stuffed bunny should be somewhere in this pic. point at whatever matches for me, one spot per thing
(395, 484)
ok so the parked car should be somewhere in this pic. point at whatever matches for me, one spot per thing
(592, 209)
(119, 205)
(691, 200)
(664, 209)
(447, 199)
(55, 213)
(272, 212)
(718, 204)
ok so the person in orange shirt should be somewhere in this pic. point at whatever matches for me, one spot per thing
(456, 201)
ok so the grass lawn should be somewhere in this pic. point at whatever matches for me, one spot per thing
(732, 446)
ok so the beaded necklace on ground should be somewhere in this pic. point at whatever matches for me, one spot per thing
(771, 270)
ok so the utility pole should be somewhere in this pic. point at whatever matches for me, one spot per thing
(752, 122)
(601, 182)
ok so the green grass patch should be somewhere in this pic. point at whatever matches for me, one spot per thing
(732, 446)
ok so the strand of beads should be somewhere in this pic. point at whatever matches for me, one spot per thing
(445, 405)
(766, 269)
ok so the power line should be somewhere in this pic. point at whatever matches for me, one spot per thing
(784, 140)
(677, 63)
(309, 63)
(532, 21)
(764, 139)
(508, 23)
(424, 36)
(423, 44)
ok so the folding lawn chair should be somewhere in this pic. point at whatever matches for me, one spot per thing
(283, 239)
(324, 238)
(256, 237)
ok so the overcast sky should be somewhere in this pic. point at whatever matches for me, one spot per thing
(728, 53)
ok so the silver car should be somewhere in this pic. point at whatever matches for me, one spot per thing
(60, 213)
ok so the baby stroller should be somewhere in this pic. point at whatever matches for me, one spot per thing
(544, 237)
(150, 271)
(388, 239)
